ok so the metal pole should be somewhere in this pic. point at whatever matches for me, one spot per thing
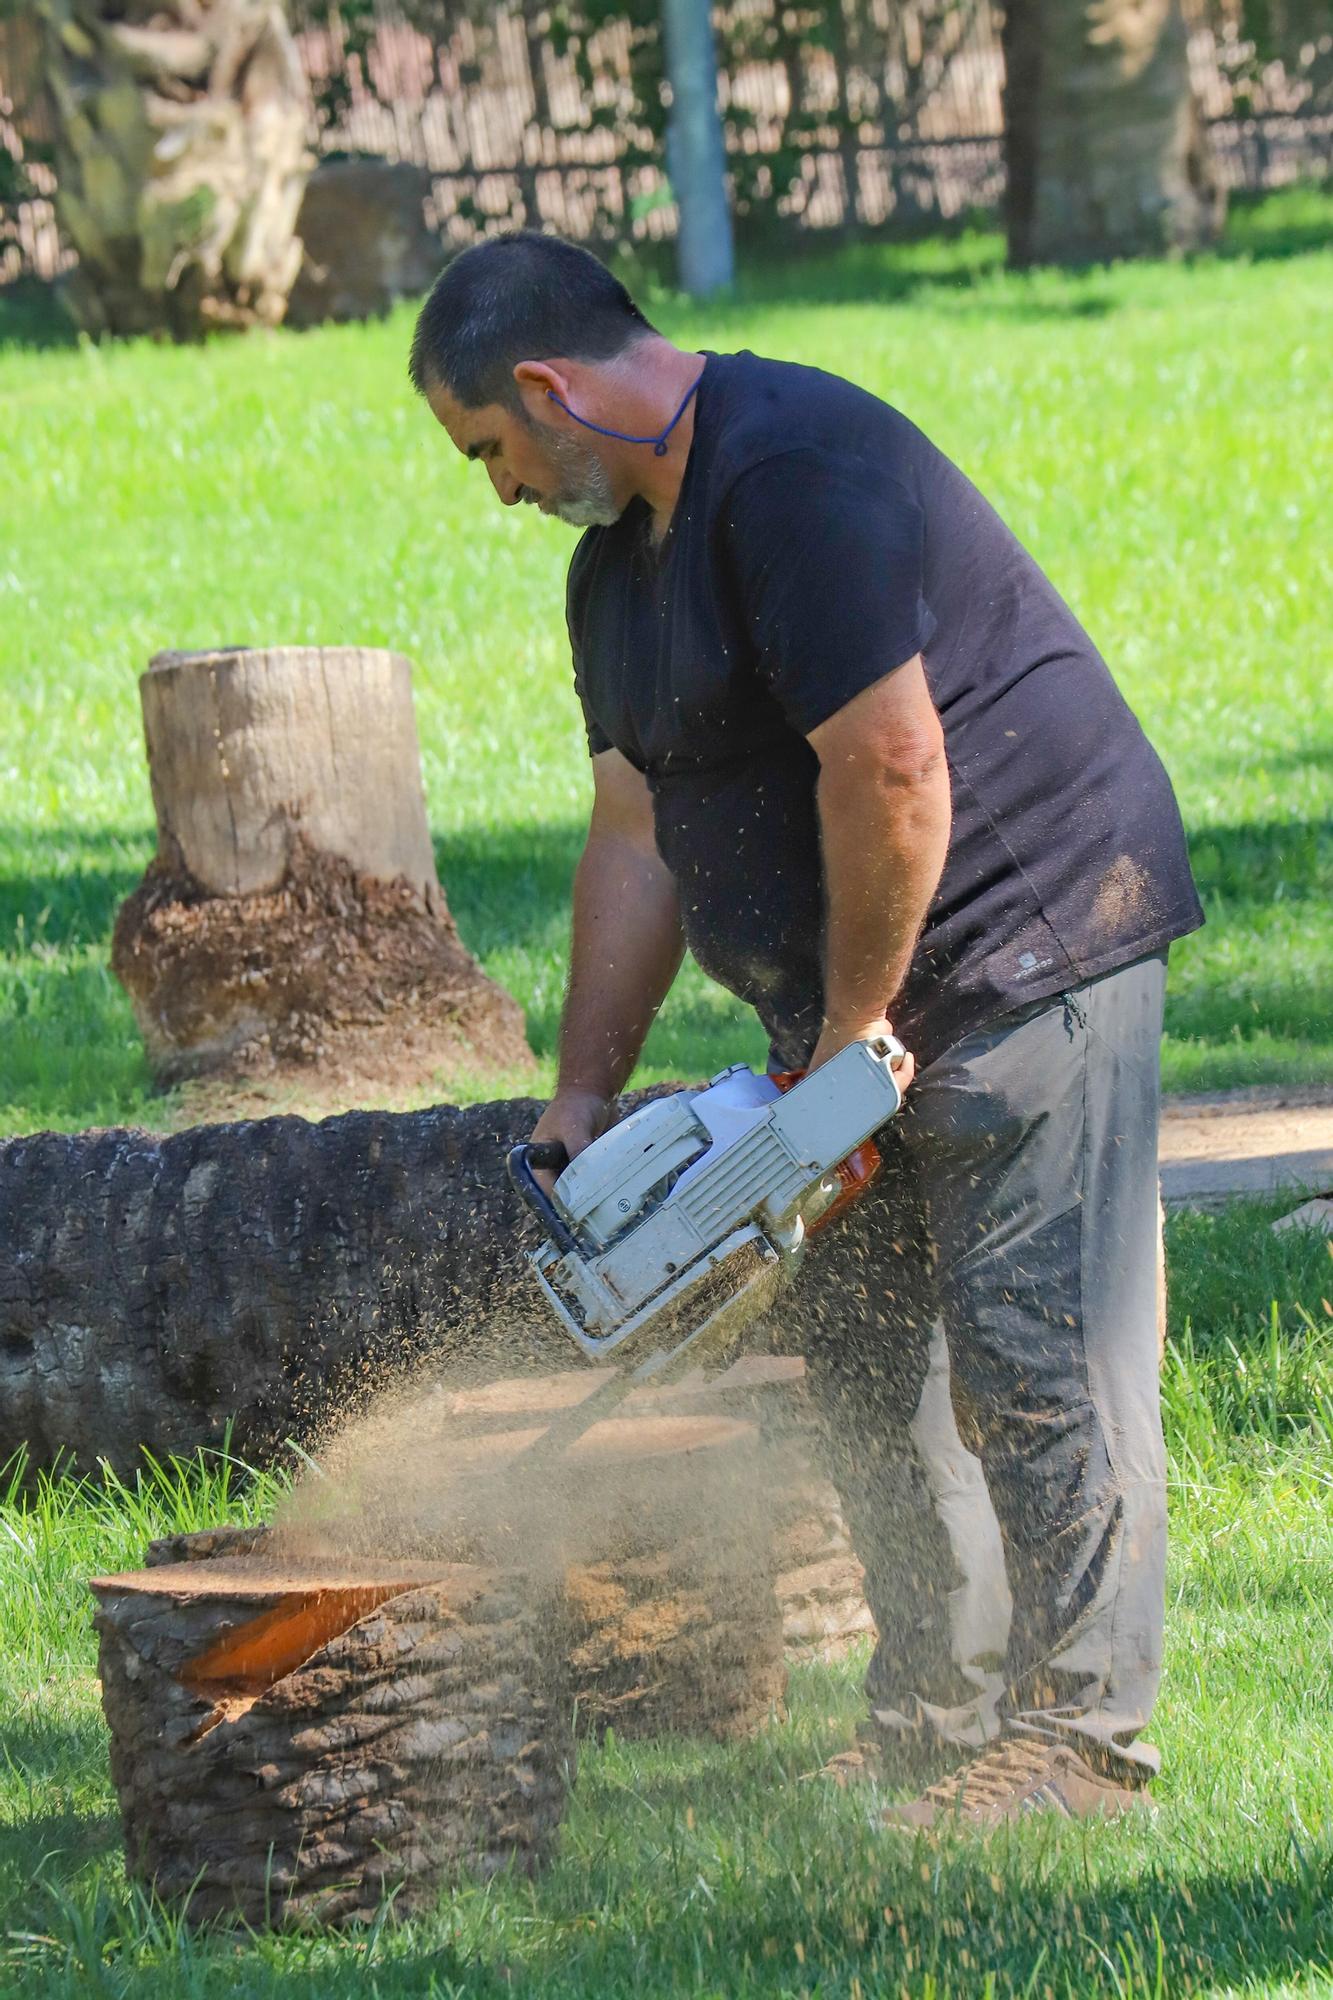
(696, 156)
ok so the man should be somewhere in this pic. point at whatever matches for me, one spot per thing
(851, 747)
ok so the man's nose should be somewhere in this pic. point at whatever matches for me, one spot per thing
(506, 486)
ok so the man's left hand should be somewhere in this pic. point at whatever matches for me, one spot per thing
(836, 1037)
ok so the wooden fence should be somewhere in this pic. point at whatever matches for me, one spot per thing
(871, 114)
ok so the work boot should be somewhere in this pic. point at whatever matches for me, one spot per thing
(1016, 1776)
(883, 1761)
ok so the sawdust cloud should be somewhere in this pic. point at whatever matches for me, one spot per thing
(427, 1471)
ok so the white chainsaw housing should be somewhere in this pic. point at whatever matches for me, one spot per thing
(689, 1213)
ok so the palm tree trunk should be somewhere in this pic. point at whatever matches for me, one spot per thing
(1106, 152)
(180, 160)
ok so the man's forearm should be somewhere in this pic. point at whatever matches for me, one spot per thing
(885, 833)
(626, 949)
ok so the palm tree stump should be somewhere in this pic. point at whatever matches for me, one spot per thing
(1106, 151)
(685, 1641)
(291, 1743)
(819, 1580)
(292, 918)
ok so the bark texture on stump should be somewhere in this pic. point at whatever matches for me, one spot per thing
(426, 1736)
(687, 1640)
(820, 1580)
(292, 914)
(1105, 149)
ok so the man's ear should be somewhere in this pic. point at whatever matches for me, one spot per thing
(539, 382)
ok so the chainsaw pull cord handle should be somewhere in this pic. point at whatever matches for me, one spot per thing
(551, 1155)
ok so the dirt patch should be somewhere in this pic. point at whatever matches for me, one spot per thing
(334, 985)
(1247, 1142)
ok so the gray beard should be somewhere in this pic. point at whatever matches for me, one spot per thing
(583, 498)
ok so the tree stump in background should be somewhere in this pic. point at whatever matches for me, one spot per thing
(292, 916)
(289, 1744)
(367, 240)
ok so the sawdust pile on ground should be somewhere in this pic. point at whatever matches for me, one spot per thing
(334, 975)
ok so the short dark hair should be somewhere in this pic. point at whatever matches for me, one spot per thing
(517, 297)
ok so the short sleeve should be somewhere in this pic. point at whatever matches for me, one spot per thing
(827, 557)
(598, 740)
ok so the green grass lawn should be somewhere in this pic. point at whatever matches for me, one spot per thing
(1152, 433)
(688, 1869)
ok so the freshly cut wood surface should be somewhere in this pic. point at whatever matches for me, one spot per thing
(614, 1440)
(540, 1395)
(260, 1575)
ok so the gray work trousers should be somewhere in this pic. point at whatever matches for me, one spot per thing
(1009, 1503)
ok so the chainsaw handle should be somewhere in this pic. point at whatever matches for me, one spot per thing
(551, 1155)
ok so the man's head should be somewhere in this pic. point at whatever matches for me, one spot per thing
(496, 337)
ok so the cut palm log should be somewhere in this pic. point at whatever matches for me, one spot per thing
(294, 1735)
(291, 1744)
(262, 1275)
(292, 915)
(657, 1522)
(686, 1640)
(820, 1581)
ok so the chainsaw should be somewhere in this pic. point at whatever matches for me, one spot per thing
(671, 1233)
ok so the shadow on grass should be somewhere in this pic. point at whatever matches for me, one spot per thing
(65, 885)
(1289, 223)
(895, 273)
(510, 885)
(1260, 860)
(685, 1867)
(56, 1764)
(873, 1926)
(1244, 873)
(33, 315)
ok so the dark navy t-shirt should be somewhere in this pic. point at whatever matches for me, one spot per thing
(819, 542)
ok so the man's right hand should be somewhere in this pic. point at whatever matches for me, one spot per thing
(575, 1118)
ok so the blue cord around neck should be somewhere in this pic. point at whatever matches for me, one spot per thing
(658, 443)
